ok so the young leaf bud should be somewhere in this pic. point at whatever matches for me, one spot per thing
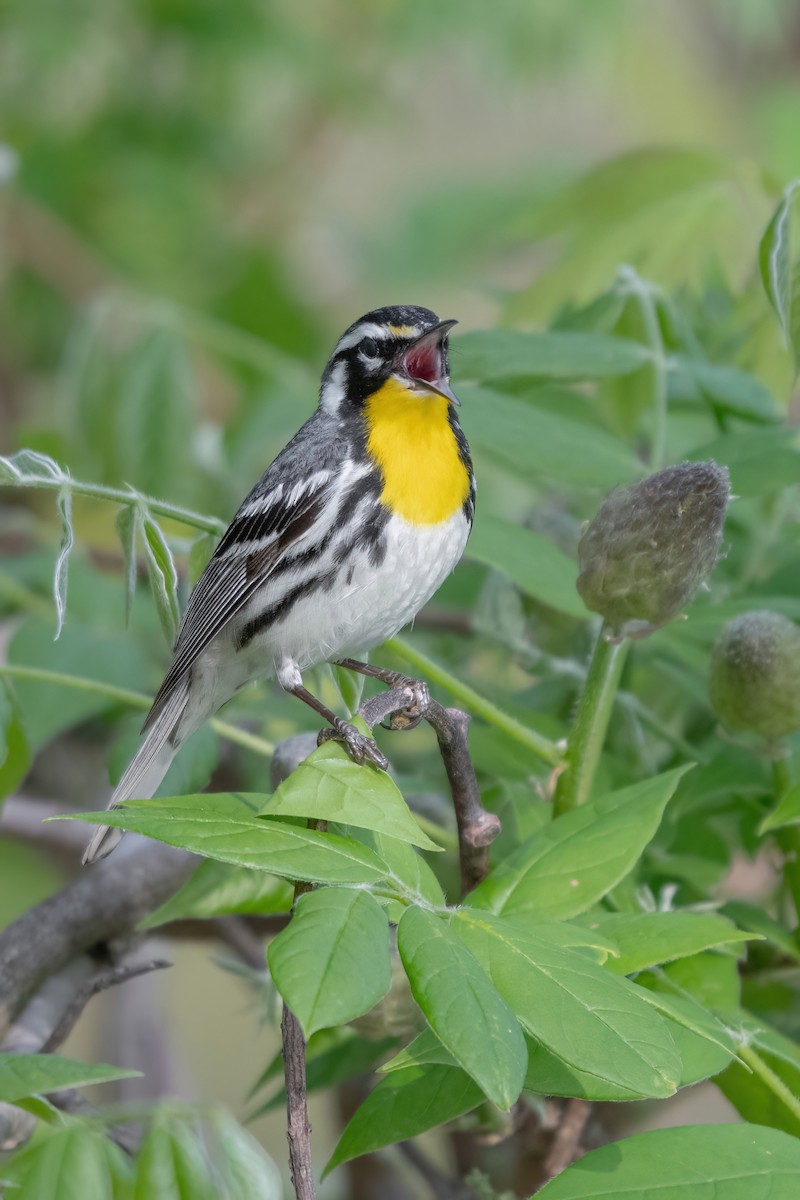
(755, 675)
(651, 545)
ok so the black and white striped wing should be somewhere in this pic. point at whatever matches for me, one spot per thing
(261, 533)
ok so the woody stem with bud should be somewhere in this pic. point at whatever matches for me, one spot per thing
(589, 729)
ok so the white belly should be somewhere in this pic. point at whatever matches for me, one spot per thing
(365, 605)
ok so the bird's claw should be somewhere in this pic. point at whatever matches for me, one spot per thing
(360, 747)
(410, 716)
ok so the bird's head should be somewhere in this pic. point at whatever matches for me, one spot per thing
(403, 342)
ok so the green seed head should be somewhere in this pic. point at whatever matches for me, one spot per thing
(651, 545)
(755, 675)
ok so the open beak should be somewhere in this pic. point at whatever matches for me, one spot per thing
(425, 361)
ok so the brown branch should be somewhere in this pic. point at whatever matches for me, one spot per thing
(407, 703)
(477, 828)
(104, 902)
(287, 757)
(298, 1130)
(566, 1144)
(46, 1022)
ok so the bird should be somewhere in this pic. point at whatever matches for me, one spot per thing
(348, 533)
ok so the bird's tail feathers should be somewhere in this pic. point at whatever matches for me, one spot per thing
(146, 770)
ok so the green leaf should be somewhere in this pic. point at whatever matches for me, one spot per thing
(24, 1075)
(163, 578)
(15, 756)
(753, 918)
(750, 1094)
(779, 260)
(407, 867)
(217, 889)
(786, 811)
(537, 567)
(691, 1162)
(152, 415)
(332, 1057)
(246, 1170)
(332, 962)
(423, 1050)
(214, 826)
(577, 858)
(405, 1104)
(645, 939)
(589, 1018)
(26, 468)
(127, 524)
(200, 553)
(64, 504)
(461, 1005)
(329, 786)
(690, 1017)
(711, 979)
(508, 354)
(535, 442)
(171, 1165)
(702, 1054)
(350, 685)
(725, 388)
(44, 708)
(73, 1163)
(549, 1075)
(761, 461)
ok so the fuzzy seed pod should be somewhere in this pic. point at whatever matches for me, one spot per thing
(651, 545)
(755, 675)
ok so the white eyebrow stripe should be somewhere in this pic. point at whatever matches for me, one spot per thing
(364, 330)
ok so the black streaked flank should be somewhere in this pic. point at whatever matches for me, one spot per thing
(272, 615)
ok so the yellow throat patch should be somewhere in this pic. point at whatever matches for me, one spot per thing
(410, 438)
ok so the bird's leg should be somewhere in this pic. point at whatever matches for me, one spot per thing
(408, 717)
(359, 746)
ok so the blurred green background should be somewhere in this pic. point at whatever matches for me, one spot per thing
(282, 167)
(197, 197)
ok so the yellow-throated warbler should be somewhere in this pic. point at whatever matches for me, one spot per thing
(344, 538)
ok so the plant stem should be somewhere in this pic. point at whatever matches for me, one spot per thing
(585, 743)
(788, 839)
(644, 293)
(24, 597)
(769, 1078)
(432, 672)
(80, 683)
(98, 491)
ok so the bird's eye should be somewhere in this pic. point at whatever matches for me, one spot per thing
(370, 347)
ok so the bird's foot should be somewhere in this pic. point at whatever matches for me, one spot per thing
(358, 745)
(410, 716)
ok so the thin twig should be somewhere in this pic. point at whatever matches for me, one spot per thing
(47, 1020)
(443, 1187)
(238, 933)
(102, 981)
(105, 902)
(566, 1144)
(298, 1129)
